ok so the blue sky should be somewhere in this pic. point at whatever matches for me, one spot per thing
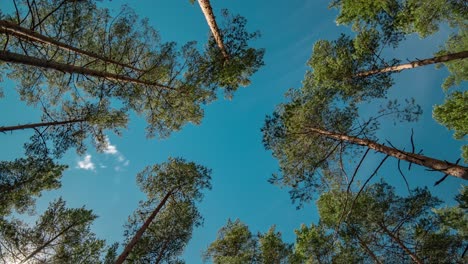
(229, 139)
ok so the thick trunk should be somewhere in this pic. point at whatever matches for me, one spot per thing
(434, 164)
(417, 63)
(401, 245)
(142, 230)
(36, 125)
(24, 33)
(39, 249)
(72, 69)
(210, 18)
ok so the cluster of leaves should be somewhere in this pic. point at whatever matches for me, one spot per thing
(235, 244)
(375, 225)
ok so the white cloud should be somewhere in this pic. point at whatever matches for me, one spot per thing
(110, 149)
(86, 163)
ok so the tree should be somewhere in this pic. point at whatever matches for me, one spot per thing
(176, 181)
(24, 179)
(166, 236)
(60, 235)
(234, 244)
(316, 130)
(272, 248)
(134, 68)
(315, 244)
(393, 228)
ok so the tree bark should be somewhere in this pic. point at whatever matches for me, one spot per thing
(434, 164)
(417, 63)
(36, 125)
(39, 249)
(210, 18)
(72, 69)
(142, 230)
(402, 246)
(27, 34)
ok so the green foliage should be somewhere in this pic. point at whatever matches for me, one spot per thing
(60, 235)
(395, 18)
(169, 232)
(166, 237)
(185, 180)
(314, 245)
(309, 161)
(272, 248)
(454, 115)
(24, 179)
(336, 65)
(458, 68)
(243, 61)
(378, 220)
(234, 244)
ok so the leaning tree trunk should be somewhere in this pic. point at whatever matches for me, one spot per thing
(72, 69)
(142, 230)
(36, 125)
(417, 63)
(27, 34)
(210, 18)
(39, 249)
(401, 245)
(434, 164)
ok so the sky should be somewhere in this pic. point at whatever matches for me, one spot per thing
(229, 140)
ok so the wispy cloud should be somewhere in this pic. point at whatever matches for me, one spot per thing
(86, 163)
(112, 150)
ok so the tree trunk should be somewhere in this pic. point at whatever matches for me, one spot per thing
(72, 69)
(27, 34)
(367, 249)
(36, 125)
(402, 246)
(434, 164)
(39, 249)
(142, 230)
(417, 63)
(161, 254)
(210, 18)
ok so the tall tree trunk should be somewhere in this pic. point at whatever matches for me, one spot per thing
(434, 164)
(36, 125)
(142, 230)
(210, 18)
(27, 34)
(39, 249)
(401, 245)
(46, 64)
(417, 63)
